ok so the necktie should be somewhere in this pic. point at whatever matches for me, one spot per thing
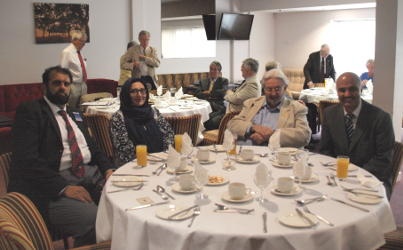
(322, 67)
(348, 122)
(76, 156)
(82, 66)
(211, 85)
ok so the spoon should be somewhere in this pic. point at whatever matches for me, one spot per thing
(163, 196)
(329, 181)
(196, 212)
(162, 190)
(308, 201)
(239, 210)
(138, 187)
(158, 169)
(263, 155)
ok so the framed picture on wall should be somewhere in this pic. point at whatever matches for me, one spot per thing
(54, 21)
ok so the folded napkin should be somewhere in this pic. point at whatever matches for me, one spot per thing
(174, 158)
(368, 182)
(263, 174)
(229, 140)
(159, 90)
(179, 93)
(301, 169)
(274, 141)
(200, 173)
(167, 94)
(187, 146)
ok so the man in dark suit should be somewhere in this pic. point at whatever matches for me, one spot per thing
(213, 90)
(54, 161)
(359, 130)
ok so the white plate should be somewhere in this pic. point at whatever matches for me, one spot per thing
(351, 168)
(314, 178)
(276, 164)
(217, 149)
(187, 170)
(127, 181)
(295, 190)
(225, 181)
(177, 188)
(209, 161)
(157, 157)
(253, 161)
(166, 211)
(363, 199)
(225, 196)
(294, 220)
(288, 149)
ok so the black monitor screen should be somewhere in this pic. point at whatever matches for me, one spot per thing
(235, 26)
(209, 26)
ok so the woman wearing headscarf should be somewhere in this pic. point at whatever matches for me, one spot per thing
(137, 123)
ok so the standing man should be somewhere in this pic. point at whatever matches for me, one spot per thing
(359, 130)
(249, 88)
(73, 60)
(142, 59)
(54, 161)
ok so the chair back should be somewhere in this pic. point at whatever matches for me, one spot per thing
(5, 161)
(323, 105)
(95, 96)
(396, 161)
(189, 124)
(223, 125)
(21, 225)
(99, 128)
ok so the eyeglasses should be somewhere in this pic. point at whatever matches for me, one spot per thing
(276, 89)
(138, 91)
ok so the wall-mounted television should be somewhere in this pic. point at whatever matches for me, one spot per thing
(234, 26)
(209, 26)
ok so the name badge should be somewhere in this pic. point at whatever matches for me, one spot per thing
(77, 117)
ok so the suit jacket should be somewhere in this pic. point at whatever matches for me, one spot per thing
(371, 144)
(216, 96)
(37, 153)
(294, 132)
(249, 89)
(312, 69)
(132, 55)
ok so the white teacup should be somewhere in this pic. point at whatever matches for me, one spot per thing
(247, 154)
(237, 190)
(307, 173)
(203, 154)
(285, 184)
(283, 157)
(183, 164)
(186, 182)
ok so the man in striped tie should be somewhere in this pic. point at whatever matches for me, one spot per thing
(360, 130)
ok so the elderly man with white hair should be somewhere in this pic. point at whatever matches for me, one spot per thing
(262, 116)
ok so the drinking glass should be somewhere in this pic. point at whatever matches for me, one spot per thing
(201, 177)
(172, 91)
(178, 143)
(342, 166)
(262, 182)
(141, 154)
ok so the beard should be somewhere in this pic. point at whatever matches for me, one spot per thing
(58, 98)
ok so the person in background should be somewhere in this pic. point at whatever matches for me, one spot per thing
(72, 59)
(272, 65)
(262, 116)
(142, 59)
(249, 88)
(124, 73)
(55, 163)
(359, 130)
(366, 76)
(213, 90)
(137, 123)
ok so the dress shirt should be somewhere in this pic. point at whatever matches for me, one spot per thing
(356, 113)
(143, 65)
(71, 61)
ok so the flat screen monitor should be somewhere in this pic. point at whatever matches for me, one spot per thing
(209, 26)
(235, 26)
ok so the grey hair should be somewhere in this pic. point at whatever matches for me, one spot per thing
(272, 65)
(276, 74)
(370, 61)
(217, 64)
(253, 64)
(144, 32)
(78, 35)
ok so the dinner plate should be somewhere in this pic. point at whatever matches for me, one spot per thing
(209, 161)
(314, 178)
(127, 181)
(288, 149)
(177, 188)
(294, 191)
(166, 211)
(350, 168)
(217, 149)
(225, 196)
(363, 199)
(252, 161)
(292, 219)
(158, 157)
(185, 107)
(211, 182)
(186, 170)
(275, 163)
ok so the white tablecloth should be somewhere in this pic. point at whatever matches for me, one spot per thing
(141, 229)
(314, 95)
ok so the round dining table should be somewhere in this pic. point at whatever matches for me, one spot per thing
(315, 95)
(353, 228)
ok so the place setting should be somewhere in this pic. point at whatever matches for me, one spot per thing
(286, 187)
(247, 156)
(283, 159)
(237, 193)
(204, 157)
(177, 163)
(298, 219)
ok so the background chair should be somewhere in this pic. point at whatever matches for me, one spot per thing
(93, 97)
(5, 161)
(322, 105)
(396, 162)
(189, 124)
(23, 228)
(216, 136)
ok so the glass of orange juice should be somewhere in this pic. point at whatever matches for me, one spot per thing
(178, 143)
(233, 150)
(342, 166)
(141, 154)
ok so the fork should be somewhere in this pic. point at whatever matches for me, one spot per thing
(138, 187)
(196, 212)
(306, 210)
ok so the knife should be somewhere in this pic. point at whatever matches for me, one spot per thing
(144, 175)
(181, 211)
(264, 216)
(147, 205)
(303, 216)
(351, 205)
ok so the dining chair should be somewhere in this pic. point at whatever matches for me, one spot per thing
(189, 124)
(394, 240)
(216, 136)
(5, 161)
(22, 227)
(396, 162)
(322, 106)
(93, 97)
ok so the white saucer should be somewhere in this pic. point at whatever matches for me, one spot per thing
(187, 170)
(314, 178)
(295, 190)
(225, 196)
(290, 150)
(275, 163)
(209, 161)
(177, 188)
(351, 168)
(127, 181)
(217, 149)
(157, 157)
(225, 181)
(292, 219)
(252, 161)
(363, 199)
(168, 210)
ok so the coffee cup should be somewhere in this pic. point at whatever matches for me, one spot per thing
(236, 190)
(285, 184)
(283, 158)
(186, 182)
(203, 154)
(247, 154)
(183, 164)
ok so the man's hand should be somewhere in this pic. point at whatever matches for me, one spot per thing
(229, 92)
(136, 64)
(264, 131)
(78, 193)
(108, 173)
(257, 138)
(310, 84)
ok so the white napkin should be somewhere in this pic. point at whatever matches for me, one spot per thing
(262, 173)
(368, 182)
(274, 141)
(179, 93)
(167, 94)
(200, 173)
(159, 90)
(174, 158)
(228, 141)
(187, 146)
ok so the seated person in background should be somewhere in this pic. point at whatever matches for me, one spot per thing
(359, 130)
(125, 74)
(55, 163)
(366, 76)
(137, 123)
(262, 116)
(272, 65)
(249, 88)
(213, 90)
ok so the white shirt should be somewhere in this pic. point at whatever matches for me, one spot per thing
(65, 161)
(70, 60)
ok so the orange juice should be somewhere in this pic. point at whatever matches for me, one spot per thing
(342, 166)
(233, 150)
(141, 154)
(178, 143)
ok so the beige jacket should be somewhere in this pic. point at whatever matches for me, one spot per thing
(294, 132)
(249, 89)
(151, 62)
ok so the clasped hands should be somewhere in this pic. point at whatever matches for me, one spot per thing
(260, 134)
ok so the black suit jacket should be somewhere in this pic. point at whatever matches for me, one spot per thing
(312, 69)
(372, 143)
(37, 153)
(216, 97)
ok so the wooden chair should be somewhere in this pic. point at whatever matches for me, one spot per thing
(216, 136)
(99, 128)
(396, 161)
(5, 161)
(22, 227)
(189, 124)
(324, 104)
(394, 240)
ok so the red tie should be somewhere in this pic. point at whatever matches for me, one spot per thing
(82, 66)
(76, 156)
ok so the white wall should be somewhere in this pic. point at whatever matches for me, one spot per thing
(22, 60)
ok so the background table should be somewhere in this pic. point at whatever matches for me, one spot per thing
(315, 95)
(141, 229)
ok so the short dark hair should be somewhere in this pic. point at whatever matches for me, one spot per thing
(217, 64)
(55, 69)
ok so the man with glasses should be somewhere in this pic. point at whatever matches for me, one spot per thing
(261, 117)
